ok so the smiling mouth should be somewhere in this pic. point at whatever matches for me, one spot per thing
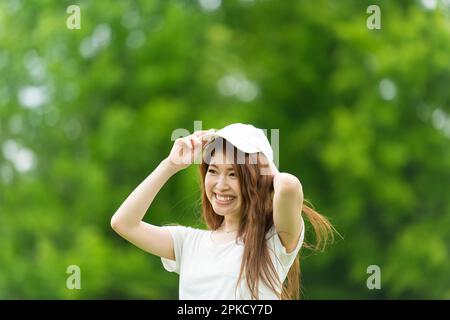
(223, 200)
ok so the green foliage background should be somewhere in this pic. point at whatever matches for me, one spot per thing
(86, 115)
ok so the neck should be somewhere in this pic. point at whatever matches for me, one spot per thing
(230, 224)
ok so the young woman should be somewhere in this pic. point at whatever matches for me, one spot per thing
(253, 214)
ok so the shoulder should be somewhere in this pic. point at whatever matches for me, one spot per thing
(185, 232)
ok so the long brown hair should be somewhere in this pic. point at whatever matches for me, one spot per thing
(256, 220)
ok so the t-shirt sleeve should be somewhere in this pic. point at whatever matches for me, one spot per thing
(178, 234)
(287, 258)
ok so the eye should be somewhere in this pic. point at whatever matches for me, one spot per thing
(211, 171)
(232, 174)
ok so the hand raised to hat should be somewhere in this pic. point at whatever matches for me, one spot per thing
(188, 150)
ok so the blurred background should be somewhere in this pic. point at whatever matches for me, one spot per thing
(86, 114)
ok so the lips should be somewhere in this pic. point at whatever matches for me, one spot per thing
(223, 199)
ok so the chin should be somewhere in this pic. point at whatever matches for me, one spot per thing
(221, 212)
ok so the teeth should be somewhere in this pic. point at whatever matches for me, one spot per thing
(224, 198)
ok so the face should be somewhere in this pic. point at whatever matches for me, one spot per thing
(222, 187)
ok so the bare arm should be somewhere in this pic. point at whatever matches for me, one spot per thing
(287, 208)
(127, 221)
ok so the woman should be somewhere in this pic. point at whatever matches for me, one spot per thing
(252, 211)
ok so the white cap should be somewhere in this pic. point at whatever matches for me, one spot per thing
(246, 138)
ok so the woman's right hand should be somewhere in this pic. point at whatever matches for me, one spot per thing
(188, 150)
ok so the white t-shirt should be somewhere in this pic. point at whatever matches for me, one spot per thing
(210, 271)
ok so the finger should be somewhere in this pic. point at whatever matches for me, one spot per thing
(197, 153)
(186, 142)
(208, 138)
(196, 142)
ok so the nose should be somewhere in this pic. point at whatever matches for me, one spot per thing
(222, 182)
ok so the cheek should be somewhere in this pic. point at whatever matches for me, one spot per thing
(208, 186)
(237, 189)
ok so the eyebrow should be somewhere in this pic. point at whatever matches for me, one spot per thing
(227, 169)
